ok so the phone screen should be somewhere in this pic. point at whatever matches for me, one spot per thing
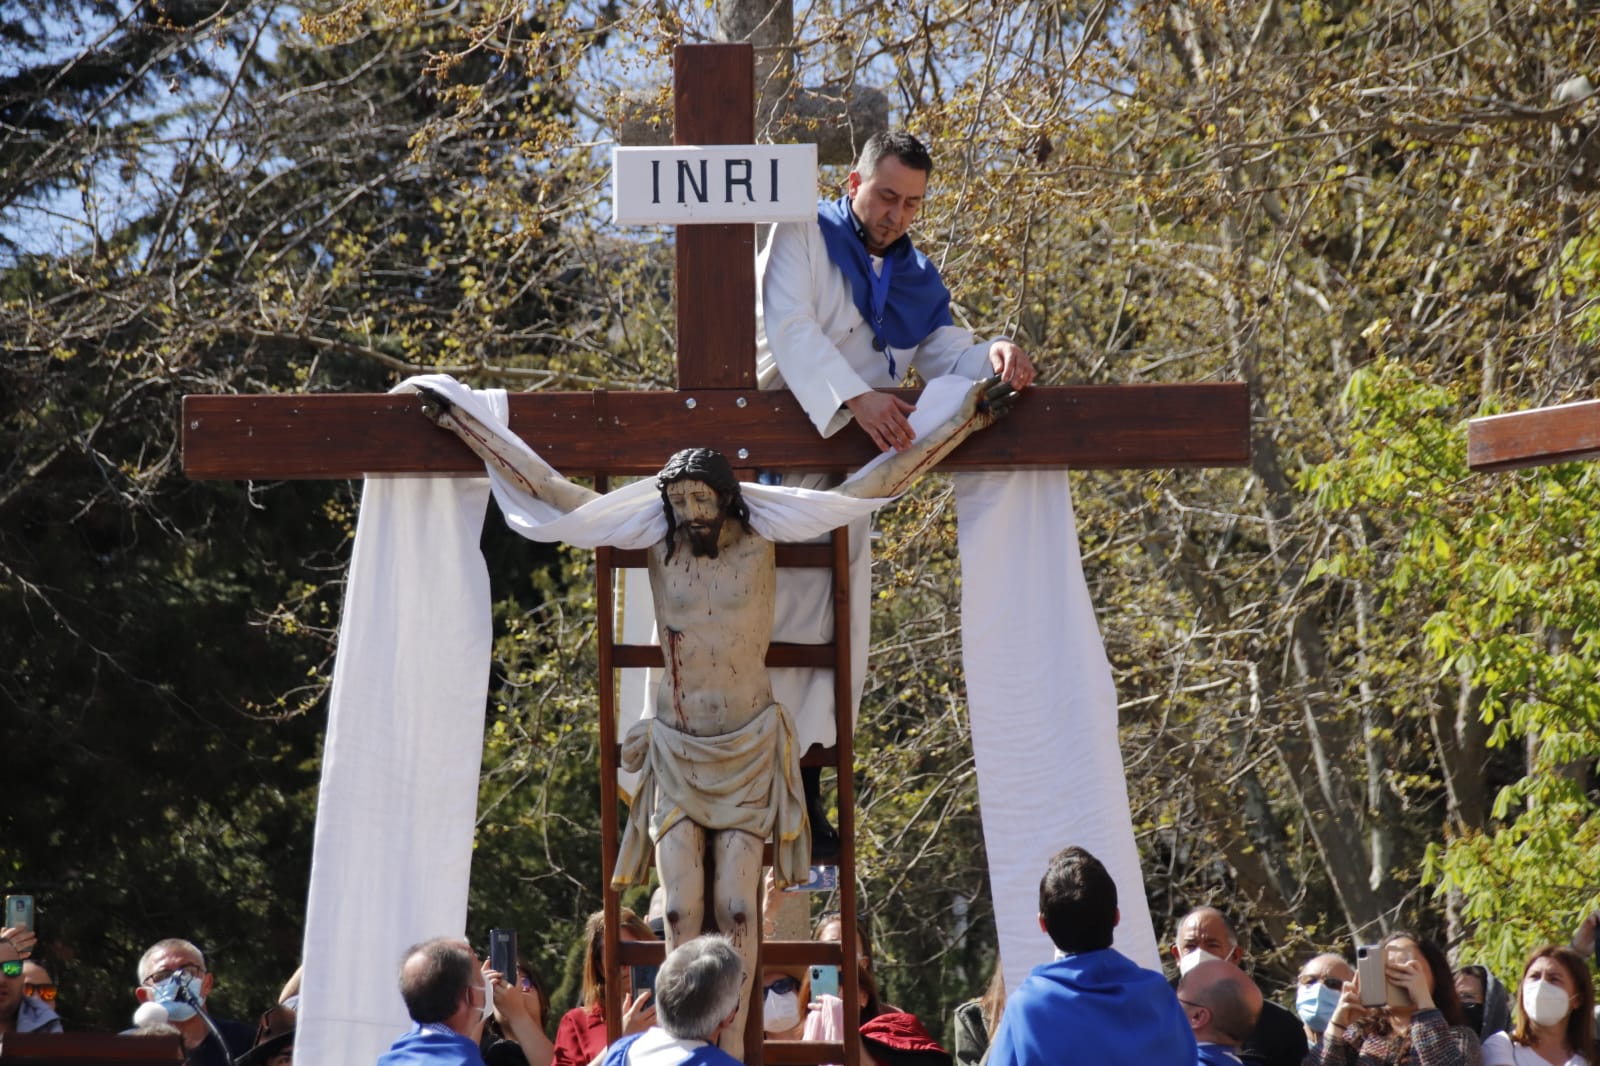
(19, 912)
(643, 979)
(503, 953)
(824, 981)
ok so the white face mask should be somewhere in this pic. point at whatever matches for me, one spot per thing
(780, 1011)
(488, 1000)
(1545, 1003)
(1195, 958)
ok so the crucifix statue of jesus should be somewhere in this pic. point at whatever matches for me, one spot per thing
(719, 762)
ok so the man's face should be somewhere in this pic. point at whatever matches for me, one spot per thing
(10, 987)
(888, 201)
(1207, 932)
(698, 512)
(167, 962)
(1327, 970)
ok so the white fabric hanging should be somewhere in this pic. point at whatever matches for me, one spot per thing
(1043, 706)
(397, 804)
(399, 793)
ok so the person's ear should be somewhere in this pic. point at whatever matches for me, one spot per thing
(1116, 918)
(1042, 927)
(205, 985)
(1236, 956)
(853, 183)
(142, 994)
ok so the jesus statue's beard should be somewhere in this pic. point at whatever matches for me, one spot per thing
(703, 537)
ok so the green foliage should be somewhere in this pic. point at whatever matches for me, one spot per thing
(1504, 572)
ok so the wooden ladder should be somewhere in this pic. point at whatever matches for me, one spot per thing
(834, 655)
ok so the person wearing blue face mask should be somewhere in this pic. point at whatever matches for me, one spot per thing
(173, 975)
(1317, 992)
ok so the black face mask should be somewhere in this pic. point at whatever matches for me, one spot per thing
(1474, 1013)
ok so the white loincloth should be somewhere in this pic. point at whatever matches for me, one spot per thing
(747, 780)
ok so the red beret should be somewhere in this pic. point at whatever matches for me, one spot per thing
(898, 1037)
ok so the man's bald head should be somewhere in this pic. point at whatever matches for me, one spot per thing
(1207, 929)
(1329, 964)
(1221, 1001)
(436, 978)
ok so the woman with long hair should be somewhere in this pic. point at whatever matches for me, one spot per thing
(1554, 1012)
(1422, 1025)
(581, 1036)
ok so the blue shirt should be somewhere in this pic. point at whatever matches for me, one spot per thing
(1094, 1007)
(432, 1045)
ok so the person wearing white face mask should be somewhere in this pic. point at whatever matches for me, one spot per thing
(1205, 934)
(784, 995)
(1317, 991)
(448, 996)
(1555, 1014)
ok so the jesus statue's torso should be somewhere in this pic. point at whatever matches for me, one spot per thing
(715, 621)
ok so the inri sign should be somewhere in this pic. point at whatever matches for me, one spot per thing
(723, 183)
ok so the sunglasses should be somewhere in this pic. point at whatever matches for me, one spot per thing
(188, 969)
(44, 992)
(783, 986)
(11, 967)
(1335, 983)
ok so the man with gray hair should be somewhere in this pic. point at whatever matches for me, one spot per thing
(697, 997)
(448, 996)
(173, 976)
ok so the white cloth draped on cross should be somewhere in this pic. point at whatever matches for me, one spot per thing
(397, 806)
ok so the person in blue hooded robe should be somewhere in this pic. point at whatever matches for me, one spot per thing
(1093, 1004)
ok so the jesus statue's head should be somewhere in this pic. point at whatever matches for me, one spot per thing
(699, 493)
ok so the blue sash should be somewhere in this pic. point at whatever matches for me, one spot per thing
(903, 304)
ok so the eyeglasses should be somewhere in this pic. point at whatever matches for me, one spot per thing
(11, 967)
(1335, 983)
(44, 992)
(784, 985)
(162, 976)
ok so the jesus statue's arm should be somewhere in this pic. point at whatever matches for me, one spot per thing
(984, 404)
(524, 469)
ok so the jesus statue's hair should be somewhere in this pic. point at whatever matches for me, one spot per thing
(711, 467)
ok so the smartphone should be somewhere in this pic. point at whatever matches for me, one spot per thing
(19, 913)
(503, 954)
(643, 979)
(1369, 971)
(822, 879)
(824, 981)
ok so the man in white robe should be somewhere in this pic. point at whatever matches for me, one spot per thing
(845, 307)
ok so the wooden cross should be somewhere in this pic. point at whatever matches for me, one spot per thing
(1539, 437)
(716, 403)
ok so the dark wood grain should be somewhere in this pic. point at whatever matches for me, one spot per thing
(1539, 437)
(716, 306)
(348, 435)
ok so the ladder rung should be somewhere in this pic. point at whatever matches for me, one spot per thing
(816, 755)
(640, 656)
(818, 556)
(642, 952)
(800, 1052)
(801, 953)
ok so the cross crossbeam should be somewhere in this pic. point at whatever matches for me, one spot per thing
(627, 433)
(1539, 437)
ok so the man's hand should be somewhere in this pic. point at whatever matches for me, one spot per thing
(1011, 364)
(21, 939)
(638, 1012)
(883, 416)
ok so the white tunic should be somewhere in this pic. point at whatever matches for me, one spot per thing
(812, 339)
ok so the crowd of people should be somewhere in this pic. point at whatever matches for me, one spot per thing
(1398, 1002)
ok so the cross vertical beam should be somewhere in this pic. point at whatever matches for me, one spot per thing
(715, 283)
